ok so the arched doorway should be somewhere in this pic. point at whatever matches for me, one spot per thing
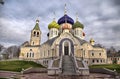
(66, 44)
(66, 48)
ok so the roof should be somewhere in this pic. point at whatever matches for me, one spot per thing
(98, 46)
(36, 27)
(50, 41)
(32, 46)
(81, 41)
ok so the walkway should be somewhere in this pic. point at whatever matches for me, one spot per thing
(45, 76)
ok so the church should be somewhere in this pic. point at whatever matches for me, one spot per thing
(65, 38)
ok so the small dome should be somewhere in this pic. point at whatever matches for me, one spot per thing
(53, 25)
(92, 40)
(66, 26)
(77, 24)
(64, 19)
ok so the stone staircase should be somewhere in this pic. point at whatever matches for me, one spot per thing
(68, 66)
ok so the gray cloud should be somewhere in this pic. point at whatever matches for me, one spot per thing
(100, 18)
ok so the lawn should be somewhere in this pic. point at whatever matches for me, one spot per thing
(17, 65)
(108, 66)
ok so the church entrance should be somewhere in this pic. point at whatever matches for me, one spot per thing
(66, 48)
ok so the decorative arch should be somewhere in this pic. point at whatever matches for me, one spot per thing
(61, 48)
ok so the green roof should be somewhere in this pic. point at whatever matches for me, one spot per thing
(36, 27)
(77, 24)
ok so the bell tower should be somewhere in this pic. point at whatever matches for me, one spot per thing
(35, 35)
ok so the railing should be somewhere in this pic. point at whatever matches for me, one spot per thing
(55, 70)
(74, 61)
(61, 59)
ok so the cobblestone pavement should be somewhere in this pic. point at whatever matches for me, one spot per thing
(45, 76)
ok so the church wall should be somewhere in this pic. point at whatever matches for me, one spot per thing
(46, 51)
(93, 55)
(86, 47)
(111, 60)
(29, 53)
(98, 56)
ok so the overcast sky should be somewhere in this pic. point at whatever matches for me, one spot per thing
(101, 19)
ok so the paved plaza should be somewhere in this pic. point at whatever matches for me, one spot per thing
(8, 74)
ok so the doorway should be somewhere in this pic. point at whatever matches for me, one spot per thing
(66, 48)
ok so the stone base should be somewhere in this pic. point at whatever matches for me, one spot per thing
(54, 71)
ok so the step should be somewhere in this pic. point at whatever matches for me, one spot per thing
(68, 66)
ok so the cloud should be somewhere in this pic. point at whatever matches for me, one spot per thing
(100, 18)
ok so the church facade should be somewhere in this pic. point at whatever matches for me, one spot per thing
(65, 37)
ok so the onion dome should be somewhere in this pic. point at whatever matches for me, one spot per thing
(66, 26)
(77, 24)
(53, 25)
(65, 19)
(92, 40)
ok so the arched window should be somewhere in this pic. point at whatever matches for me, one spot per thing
(51, 33)
(97, 61)
(93, 60)
(37, 34)
(34, 33)
(99, 54)
(56, 32)
(33, 43)
(27, 54)
(48, 53)
(101, 61)
(92, 54)
(44, 53)
(75, 32)
(32, 54)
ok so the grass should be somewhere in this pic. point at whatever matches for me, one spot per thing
(17, 65)
(108, 66)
